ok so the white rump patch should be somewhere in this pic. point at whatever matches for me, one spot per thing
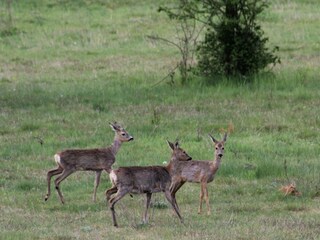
(113, 177)
(57, 159)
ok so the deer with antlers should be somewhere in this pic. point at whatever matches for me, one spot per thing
(72, 160)
(196, 171)
(148, 180)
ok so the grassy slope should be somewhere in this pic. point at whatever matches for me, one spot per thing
(69, 70)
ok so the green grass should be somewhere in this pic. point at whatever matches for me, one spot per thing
(67, 69)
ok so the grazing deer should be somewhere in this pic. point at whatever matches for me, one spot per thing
(72, 160)
(201, 172)
(148, 180)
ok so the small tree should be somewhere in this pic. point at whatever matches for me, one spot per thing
(185, 38)
(234, 44)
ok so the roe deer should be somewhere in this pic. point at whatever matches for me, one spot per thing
(201, 172)
(72, 160)
(148, 179)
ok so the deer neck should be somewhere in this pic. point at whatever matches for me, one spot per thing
(115, 146)
(216, 163)
(171, 165)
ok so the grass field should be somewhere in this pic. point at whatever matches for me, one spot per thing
(68, 68)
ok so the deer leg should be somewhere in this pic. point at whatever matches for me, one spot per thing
(111, 191)
(201, 197)
(168, 195)
(145, 217)
(120, 194)
(58, 180)
(173, 189)
(207, 199)
(51, 173)
(96, 184)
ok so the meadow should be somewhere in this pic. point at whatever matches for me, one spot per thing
(68, 68)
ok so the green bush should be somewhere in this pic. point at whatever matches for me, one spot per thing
(234, 44)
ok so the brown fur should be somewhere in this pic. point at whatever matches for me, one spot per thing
(72, 160)
(148, 180)
(202, 172)
(290, 190)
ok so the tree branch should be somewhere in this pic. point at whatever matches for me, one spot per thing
(164, 40)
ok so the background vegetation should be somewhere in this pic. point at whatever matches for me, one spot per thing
(67, 68)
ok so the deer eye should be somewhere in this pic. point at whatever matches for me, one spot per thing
(123, 134)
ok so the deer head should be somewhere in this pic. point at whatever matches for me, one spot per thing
(121, 133)
(219, 146)
(178, 153)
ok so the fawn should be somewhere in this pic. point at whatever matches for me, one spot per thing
(148, 180)
(202, 172)
(72, 160)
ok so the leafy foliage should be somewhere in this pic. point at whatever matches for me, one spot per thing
(235, 45)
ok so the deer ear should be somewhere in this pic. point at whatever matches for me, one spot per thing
(213, 139)
(114, 126)
(171, 145)
(176, 144)
(225, 137)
